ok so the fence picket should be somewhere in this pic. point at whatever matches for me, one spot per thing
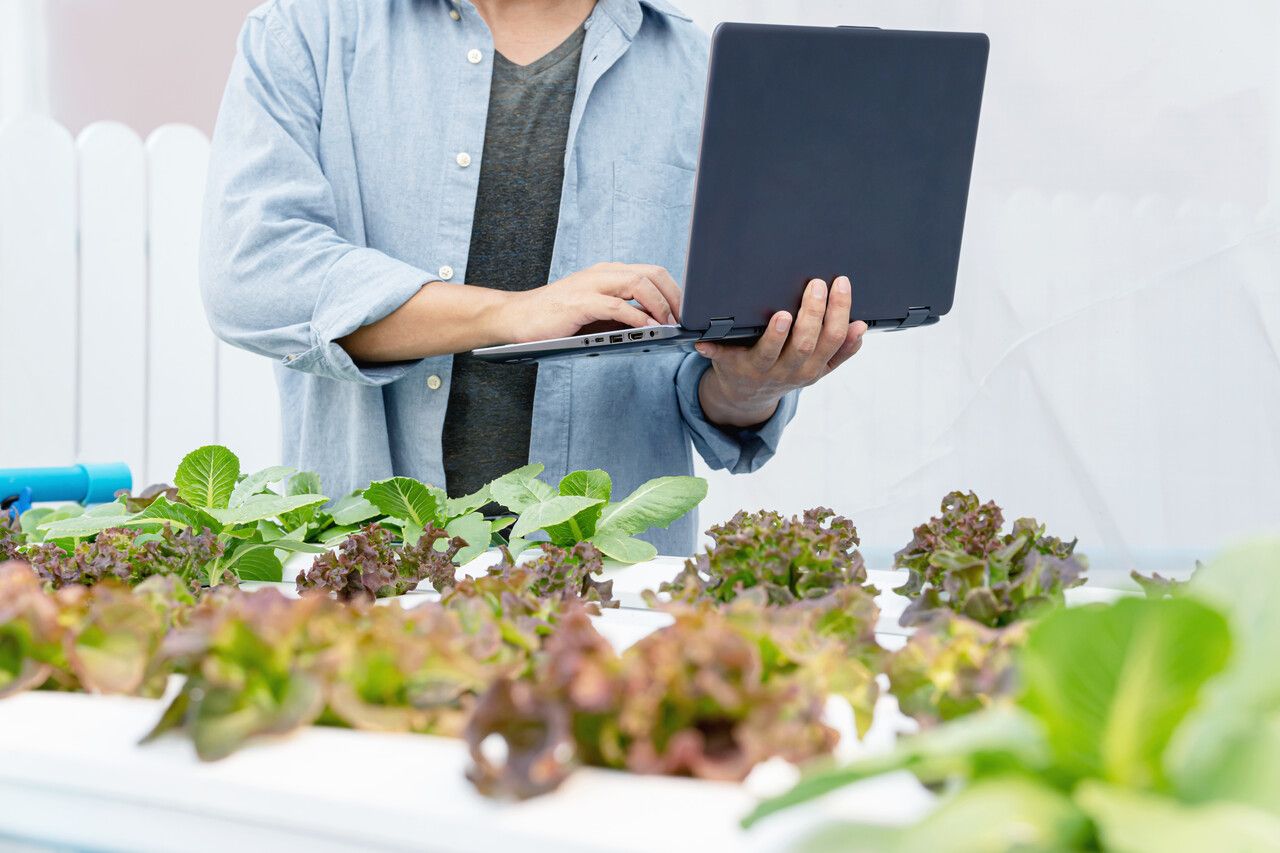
(38, 313)
(113, 296)
(182, 356)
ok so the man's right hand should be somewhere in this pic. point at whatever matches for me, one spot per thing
(599, 293)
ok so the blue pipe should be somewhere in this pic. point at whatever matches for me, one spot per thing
(89, 483)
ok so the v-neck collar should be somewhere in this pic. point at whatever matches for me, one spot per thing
(563, 51)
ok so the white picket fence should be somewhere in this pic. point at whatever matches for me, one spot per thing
(107, 352)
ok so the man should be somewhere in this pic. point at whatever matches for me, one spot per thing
(371, 156)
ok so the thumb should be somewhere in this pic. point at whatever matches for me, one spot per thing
(707, 350)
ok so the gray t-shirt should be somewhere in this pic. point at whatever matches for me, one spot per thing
(487, 426)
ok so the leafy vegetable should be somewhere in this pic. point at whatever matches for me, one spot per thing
(207, 476)
(789, 559)
(952, 666)
(699, 698)
(1157, 585)
(100, 640)
(1104, 692)
(959, 561)
(128, 555)
(563, 573)
(579, 511)
(255, 666)
(11, 536)
(250, 523)
(367, 564)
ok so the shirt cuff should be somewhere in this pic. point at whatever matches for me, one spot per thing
(739, 451)
(363, 287)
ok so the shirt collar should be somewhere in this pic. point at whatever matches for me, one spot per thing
(628, 14)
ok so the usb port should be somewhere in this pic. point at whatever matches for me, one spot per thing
(615, 339)
(636, 336)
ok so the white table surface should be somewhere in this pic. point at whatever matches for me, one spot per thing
(73, 775)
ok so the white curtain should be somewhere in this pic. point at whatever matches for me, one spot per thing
(1112, 364)
(23, 73)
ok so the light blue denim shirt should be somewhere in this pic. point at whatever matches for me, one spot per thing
(343, 178)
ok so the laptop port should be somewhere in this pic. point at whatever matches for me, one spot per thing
(615, 339)
(636, 336)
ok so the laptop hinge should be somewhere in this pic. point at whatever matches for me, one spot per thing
(915, 317)
(720, 326)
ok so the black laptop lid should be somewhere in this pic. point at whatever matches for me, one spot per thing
(830, 151)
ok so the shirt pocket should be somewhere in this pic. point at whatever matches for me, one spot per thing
(652, 206)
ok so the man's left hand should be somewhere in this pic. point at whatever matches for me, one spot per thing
(745, 384)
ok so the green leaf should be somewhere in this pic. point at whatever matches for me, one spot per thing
(1146, 823)
(163, 510)
(80, 526)
(498, 525)
(207, 476)
(1012, 813)
(406, 499)
(353, 510)
(656, 503)
(521, 488)
(257, 481)
(552, 511)
(259, 507)
(589, 484)
(623, 548)
(304, 483)
(1229, 746)
(474, 528)
(999, 737)
(257, 564)
(518, 546)
(1111, 684)
(457, 507)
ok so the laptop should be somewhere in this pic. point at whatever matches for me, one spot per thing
(826, 151)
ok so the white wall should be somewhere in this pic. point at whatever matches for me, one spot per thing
(1111, 363)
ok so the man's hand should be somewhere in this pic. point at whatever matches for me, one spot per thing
(745, 384)
(601, 292)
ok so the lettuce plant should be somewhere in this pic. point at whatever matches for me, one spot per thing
(952, 666)
(789, 559)
(104, 639)
(581, 509)
(412, 507)
(415, 670)
(255, 665)
(563, 573)
(251, 523)
(128, 555)
(960, 561)
(11, 536)
(368, 564)
(1148, 724)
(700, 698)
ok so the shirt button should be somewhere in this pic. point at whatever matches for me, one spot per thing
(455, 14)
(464, 159)
(446, 272)
(433, 382)
(474, 56)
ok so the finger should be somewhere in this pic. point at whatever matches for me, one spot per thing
(808, 326)
(708, 350)
(667, 285)
(835, 323)
(651, 299)
(853, 343)
(624, 312)
(764, 355)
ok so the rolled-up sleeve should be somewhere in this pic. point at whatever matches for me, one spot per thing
(277, 275)
(739, 451)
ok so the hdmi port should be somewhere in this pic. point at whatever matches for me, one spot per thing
(615, 339)
(636, 336)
